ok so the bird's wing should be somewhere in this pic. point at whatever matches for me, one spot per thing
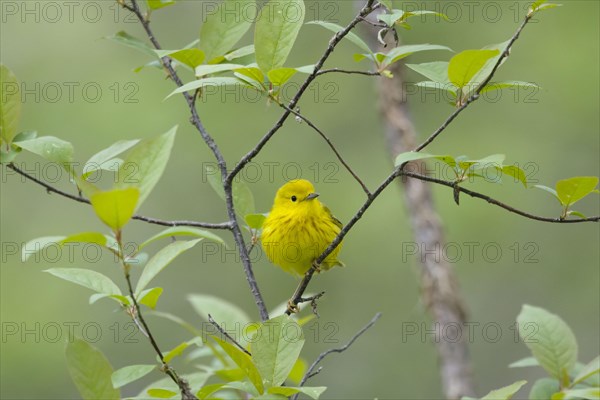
(336, 221)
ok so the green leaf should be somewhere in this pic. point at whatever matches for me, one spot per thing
(25, 135)
(277, 27)
(204, 70)
(191, 57)
(592, 368)
(507, 84)
(504, 393)
(182, 231)
(298, 370)
(112, 165)
(161, 260)
(206, 82)
(145, 164)
(177, 351)
(552, 342)
(126, 39)
(226, 314)
(157, 4)
(392, 18)
(149, 297)
(10, 104)
(209, 389)
(239, 53)
(448, 87)
(117, 297)
(525, 362)
(115, 207)
(8, 156)
(411, 156)
(494, 160)
(99, 159)
(547, 189)
(225, 26)
(255, 221)
(51, 148)
(161, 393)
(243, 199)
(287, 391)
(90, 370)
(351, 36)
(570, 191)
(306, 69)
(400, 52)
(466, 64)
(543, 389)
(592, 380)
(231, 374)
(280, 76)
(425, 12)
(87, 237)
(243, 361)
(515, 172)
(87, 278)
(576, 213)
(125, 375)
(542, 5)
(36, 245)
(276, 348)
(437, 71)
(270, 396)
(253, 73)
(581, 393)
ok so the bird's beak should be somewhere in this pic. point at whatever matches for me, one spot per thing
(312, 196)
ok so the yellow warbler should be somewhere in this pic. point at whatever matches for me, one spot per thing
(299, 228)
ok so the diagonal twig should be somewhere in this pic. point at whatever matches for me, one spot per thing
(331, 145)
(227, 335)
(311, 370)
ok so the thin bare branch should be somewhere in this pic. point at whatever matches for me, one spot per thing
(331, 145)
(349, 72)
(495, 202)
(227, 335)
(51, 189)
(310, 372)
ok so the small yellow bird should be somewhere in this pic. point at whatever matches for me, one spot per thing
(299, 228)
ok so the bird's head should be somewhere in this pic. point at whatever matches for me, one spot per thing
(297, 194)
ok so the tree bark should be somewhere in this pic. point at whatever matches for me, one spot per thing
(440, 291)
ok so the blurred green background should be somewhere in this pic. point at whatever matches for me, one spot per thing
(553, 134)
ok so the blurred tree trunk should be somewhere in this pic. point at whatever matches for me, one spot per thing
(440, 292)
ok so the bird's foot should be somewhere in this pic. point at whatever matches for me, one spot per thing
(292, 308)
(317, 267)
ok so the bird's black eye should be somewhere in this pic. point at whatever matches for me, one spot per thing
(294, 198)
